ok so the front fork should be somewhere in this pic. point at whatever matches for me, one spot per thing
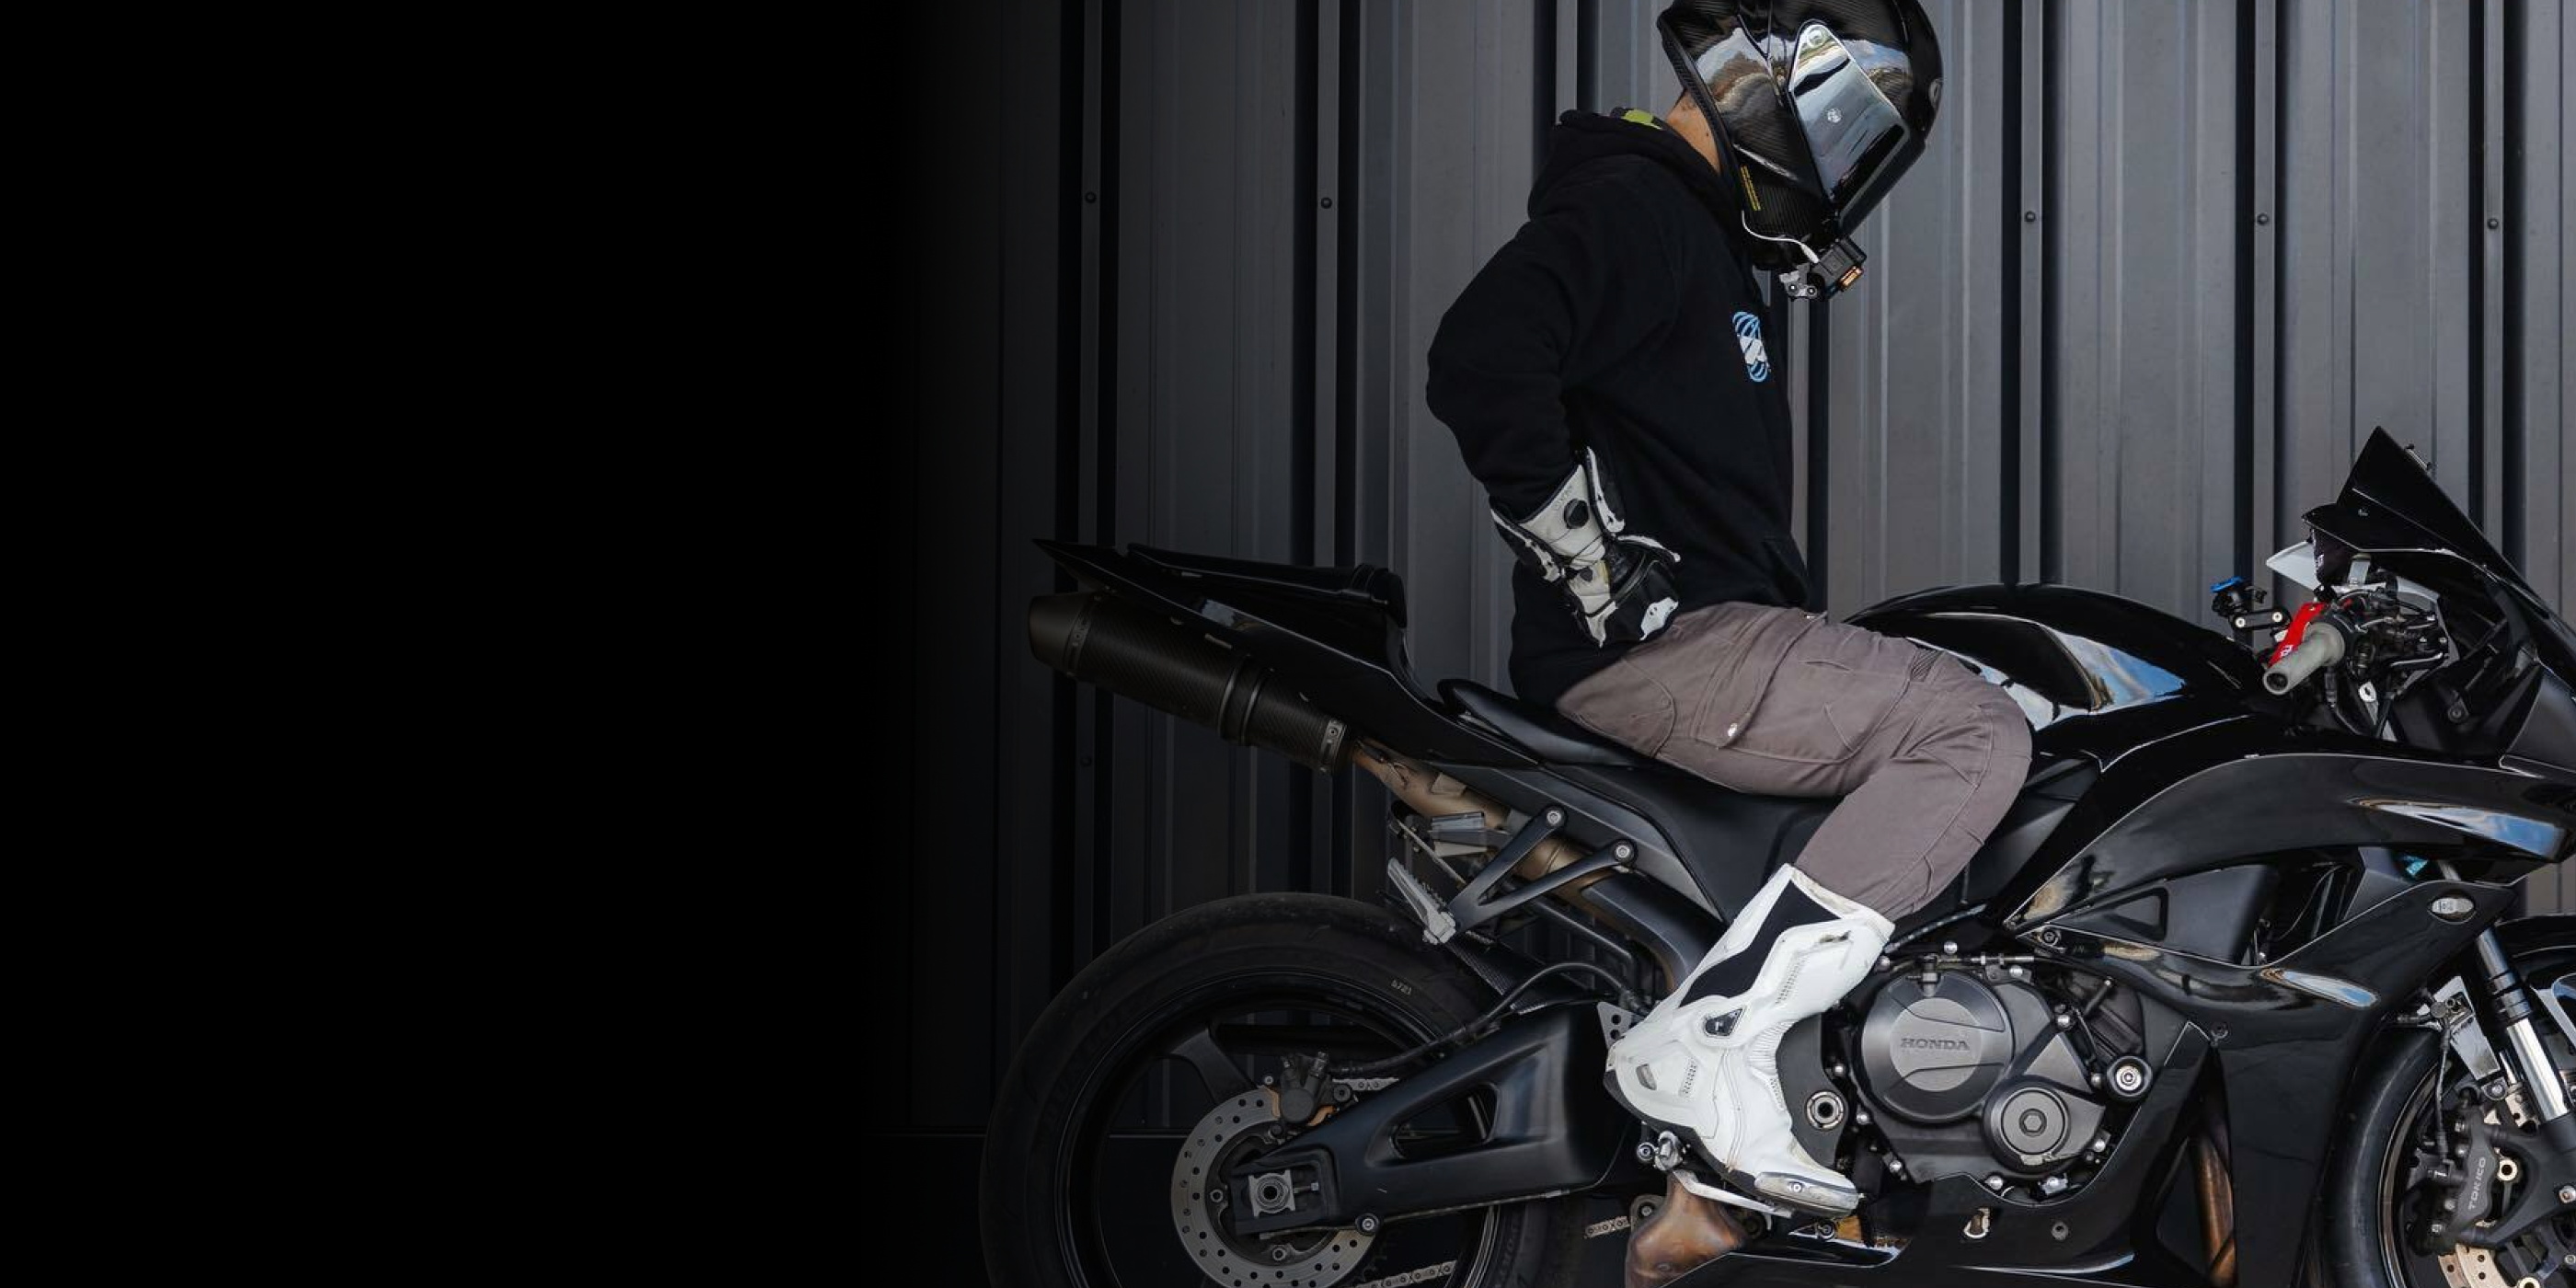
(2520, 1017)
(2549, 1186)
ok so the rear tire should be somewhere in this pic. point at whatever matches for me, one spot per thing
(1338, 955)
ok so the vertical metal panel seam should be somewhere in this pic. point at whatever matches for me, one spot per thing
(2241, 552)
(2263, 272)
(1819, 450)
(1074, 89)
(2008, 538)
(2486, 208)
(1105, 446)
(2028, 285)
(1543, 79)
(2517, 208)
(1587, 59)
(1304, 287)
(2052, 522)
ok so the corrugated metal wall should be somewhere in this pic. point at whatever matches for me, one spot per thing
(2162, 268)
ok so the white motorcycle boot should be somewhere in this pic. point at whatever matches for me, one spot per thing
(1706, 1059)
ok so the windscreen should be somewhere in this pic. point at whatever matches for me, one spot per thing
(2390, 504)
(2391, 507)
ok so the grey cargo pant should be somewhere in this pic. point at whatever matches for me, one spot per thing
(1926, 754)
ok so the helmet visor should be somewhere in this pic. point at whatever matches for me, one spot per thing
(1853, 132)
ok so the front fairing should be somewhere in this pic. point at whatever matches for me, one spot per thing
(2392, 511)
(2175, 713)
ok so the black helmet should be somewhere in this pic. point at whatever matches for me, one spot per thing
(1818, 107)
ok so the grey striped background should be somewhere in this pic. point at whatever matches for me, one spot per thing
(2164, 266)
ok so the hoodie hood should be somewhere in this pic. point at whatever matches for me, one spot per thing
(1580, 136)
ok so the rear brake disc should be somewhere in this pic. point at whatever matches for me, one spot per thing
(1309, 1259)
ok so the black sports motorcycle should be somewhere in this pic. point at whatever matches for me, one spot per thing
(2229, 998)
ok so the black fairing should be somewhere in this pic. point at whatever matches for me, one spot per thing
(2074, 658)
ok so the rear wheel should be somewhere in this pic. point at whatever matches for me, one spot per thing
(2384, 1190)
(1144, 1080)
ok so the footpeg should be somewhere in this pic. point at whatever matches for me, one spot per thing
(1438, 927)
(1718, 1193)
(1808, 1194)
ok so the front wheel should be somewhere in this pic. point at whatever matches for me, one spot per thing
(1144, 1080)
(2383, 1193)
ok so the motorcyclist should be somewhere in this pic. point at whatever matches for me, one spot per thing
(1611, 380)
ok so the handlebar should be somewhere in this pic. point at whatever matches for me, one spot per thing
(2322, 646)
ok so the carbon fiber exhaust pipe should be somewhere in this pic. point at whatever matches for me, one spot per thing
(1100, 639)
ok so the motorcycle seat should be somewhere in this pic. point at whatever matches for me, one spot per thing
(1542, 733)
(1731, 840)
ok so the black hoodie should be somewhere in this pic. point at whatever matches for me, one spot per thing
(1621, 317)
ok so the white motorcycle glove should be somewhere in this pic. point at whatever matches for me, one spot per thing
(1616, 581)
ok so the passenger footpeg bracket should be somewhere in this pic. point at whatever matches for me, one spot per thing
(1483, 900)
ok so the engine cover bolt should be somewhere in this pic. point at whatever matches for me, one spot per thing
(1995, 1183)
(1825, 1111)
(2567, 1194)
(2129, 1077)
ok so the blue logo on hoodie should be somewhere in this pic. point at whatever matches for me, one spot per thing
(1748, 336)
